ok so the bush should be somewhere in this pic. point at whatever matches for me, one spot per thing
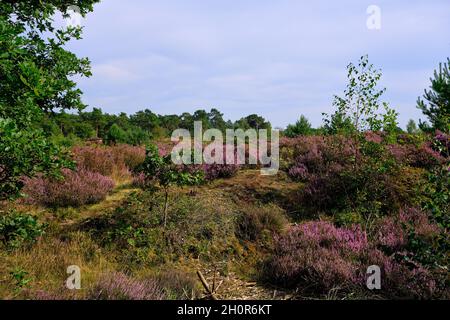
(253, 222)
(318, 257)
(130, 156)
(118, 286)
(78, 188)
(362, 179)
(95, 159)
(178, 285)
(17, 229)
(212, 172)
(316, 254)
(200, 225)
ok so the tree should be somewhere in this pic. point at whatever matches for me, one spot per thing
(36, 77)
(361, 104)
(146, 120)
(116, 135)
(25, 153)
(97, 120)
(161, 170)
(215, 118)
(411, 127)
(301, 127)
(253, 121)
(438, 97)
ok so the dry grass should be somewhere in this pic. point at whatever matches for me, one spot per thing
(65, 243)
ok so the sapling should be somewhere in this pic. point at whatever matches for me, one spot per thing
(161, 170)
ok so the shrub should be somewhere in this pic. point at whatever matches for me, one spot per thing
(364, 178)
(212, 171)
(178, 285)
(317, 257)
(423, 156)
(17, 229)
(130, 156)
(253, 222)
(390, 234)
(109, 160)
(316, 254)
(136, 229)
(95, 159)
(78, 188)
(118, 286)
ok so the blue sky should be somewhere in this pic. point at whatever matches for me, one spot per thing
(279, 59)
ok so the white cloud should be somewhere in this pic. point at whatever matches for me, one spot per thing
(280, 58)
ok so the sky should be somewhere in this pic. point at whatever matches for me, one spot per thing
(279, 59)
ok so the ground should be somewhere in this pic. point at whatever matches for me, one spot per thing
(65, 242)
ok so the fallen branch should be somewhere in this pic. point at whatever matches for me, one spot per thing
(206, 286)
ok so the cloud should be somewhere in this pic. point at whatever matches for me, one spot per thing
(277, 58)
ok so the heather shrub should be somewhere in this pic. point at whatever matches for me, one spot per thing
(390, 234)
(77, 188)
(422, 156)
(441, 144)
(318, 257)
(118, 286)
(354, 181)
(95, 159)
(256, 222)
(428, 243)
(43, 295)
(401, 278)
(130, 156)
(212, 172)
(139, 181)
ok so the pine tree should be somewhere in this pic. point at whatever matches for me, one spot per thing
(438, 97)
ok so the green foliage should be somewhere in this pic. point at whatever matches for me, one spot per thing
(437, 195)
(253, 121)
(18, 229)
(20, 278)
(359, 109)
(162, 170)
(438, 97)
(25, 153)
(301, 128)
(196, 226)
(411, 127)
(116, 135)
(36, 77)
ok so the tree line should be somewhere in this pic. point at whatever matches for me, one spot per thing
(138, 128)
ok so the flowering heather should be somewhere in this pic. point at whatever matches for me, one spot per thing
(423, 156)
(217, 171)
(108, 160)
(319, 256)
(76, 189)
(399, 280)
(374, 137)
(419, 220)
(314, 155)
(95, 159)
(130, 156)
(118, 286)
(390, 234)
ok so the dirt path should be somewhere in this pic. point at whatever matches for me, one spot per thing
(231, 287)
